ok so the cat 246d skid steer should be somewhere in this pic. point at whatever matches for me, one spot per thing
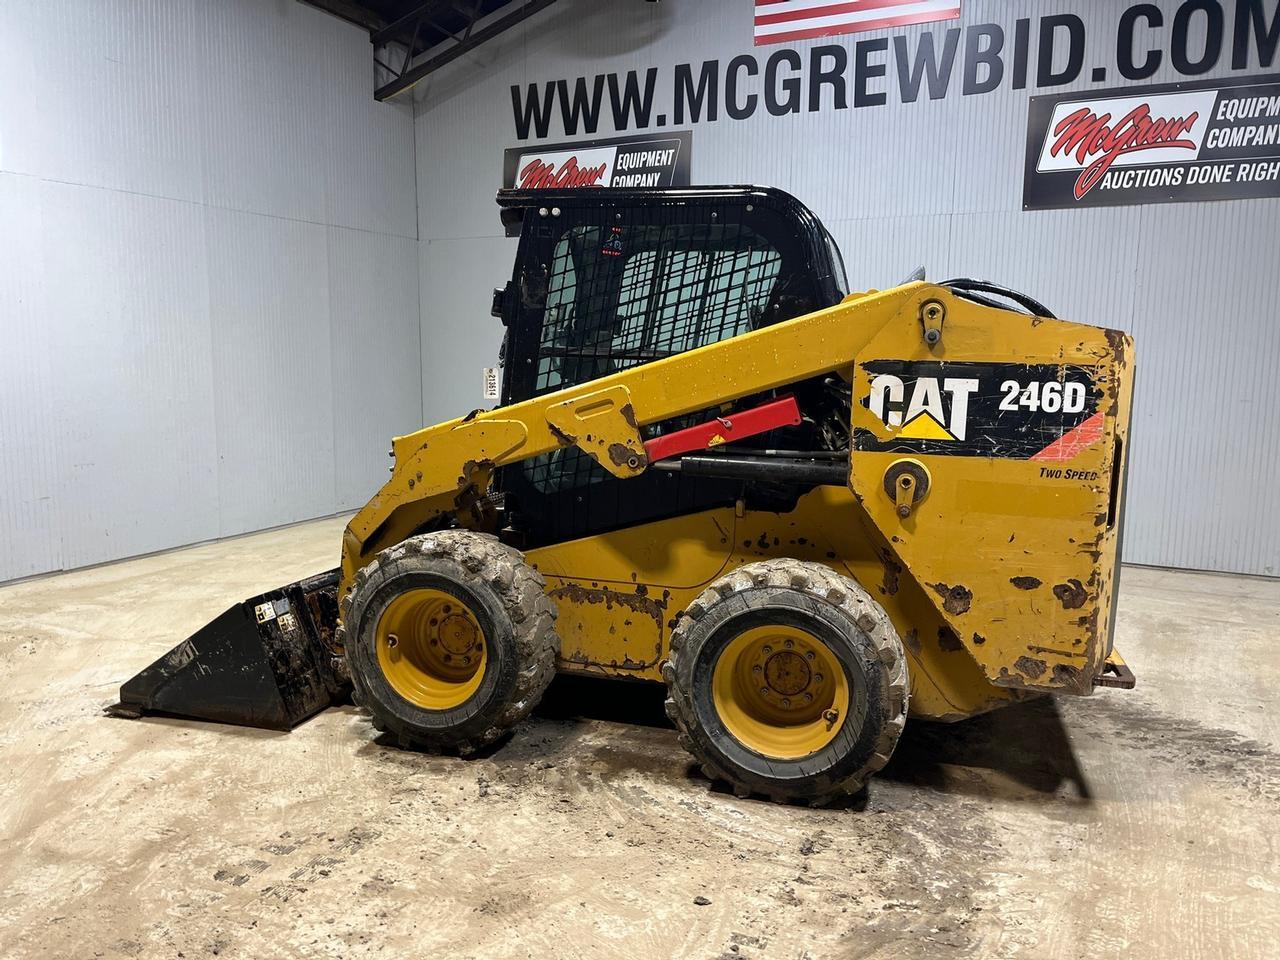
(810, 513)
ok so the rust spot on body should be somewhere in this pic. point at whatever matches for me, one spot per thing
(1071, 594)
(469, 471)
(562, 438)
(948, 641)
(955, 600)
(638, 602)
(1026, 583)
(979, 639)
(912, 641)
(1089, 623)
(892, 571)
(622, 456)
(1066, 675)
(629, 415)
(1030, 666)
(1056, 652)
(1116, 340)
(1007, 679)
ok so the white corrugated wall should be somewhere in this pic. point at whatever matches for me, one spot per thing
(208, 274)
(211, 314)
(937, 183)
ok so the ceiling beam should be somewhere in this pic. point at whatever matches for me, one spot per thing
(350, 12)
(524, 10)
(406, 24)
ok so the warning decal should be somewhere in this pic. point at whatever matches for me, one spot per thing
(1010, 410)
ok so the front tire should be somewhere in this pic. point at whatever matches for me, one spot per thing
(450, 638)
(787, 679)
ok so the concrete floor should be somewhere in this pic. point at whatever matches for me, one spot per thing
(1142, 824)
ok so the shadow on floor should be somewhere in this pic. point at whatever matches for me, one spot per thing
(1019, 751)
(617, 701)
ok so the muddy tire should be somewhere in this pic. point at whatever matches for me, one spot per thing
(747, 653)
(423, 607)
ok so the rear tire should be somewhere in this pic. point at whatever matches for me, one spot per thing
(450, 638)
(787, 679)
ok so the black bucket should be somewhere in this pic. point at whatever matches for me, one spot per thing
(267, 662)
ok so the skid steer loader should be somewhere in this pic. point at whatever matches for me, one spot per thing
(809, 513)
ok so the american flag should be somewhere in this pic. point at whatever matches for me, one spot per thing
(779, 21)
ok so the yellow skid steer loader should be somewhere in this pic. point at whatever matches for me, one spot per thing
(810, 513)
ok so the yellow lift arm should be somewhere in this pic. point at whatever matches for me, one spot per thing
(446, 468)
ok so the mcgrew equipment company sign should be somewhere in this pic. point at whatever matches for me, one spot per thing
(1210, 140)
(641, 160)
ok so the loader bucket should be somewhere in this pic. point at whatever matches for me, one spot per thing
(266, 662)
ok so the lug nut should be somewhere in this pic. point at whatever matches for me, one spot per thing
(789, 644)
(809, 655)
(757, 668)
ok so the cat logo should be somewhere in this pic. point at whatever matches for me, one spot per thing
(1022, 411)
(937, 409)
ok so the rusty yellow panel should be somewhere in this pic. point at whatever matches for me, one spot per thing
(1013, 428)
(611, 628)
(829, 526)
(619, 593)
(435, 470)
(602, 424)
(618, 622)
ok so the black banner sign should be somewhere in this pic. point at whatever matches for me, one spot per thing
(1181, 142)
(642, 160)
(1011, 410)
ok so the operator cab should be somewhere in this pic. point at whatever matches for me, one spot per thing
(609, 279)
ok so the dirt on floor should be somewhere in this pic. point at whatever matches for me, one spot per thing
(1140, 824)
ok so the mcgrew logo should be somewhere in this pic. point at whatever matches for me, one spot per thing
(1087, 135)
(537, 174)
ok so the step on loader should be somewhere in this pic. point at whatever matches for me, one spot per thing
(809, 513)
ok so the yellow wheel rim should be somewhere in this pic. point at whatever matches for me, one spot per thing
(431, 649)
(780, 691)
